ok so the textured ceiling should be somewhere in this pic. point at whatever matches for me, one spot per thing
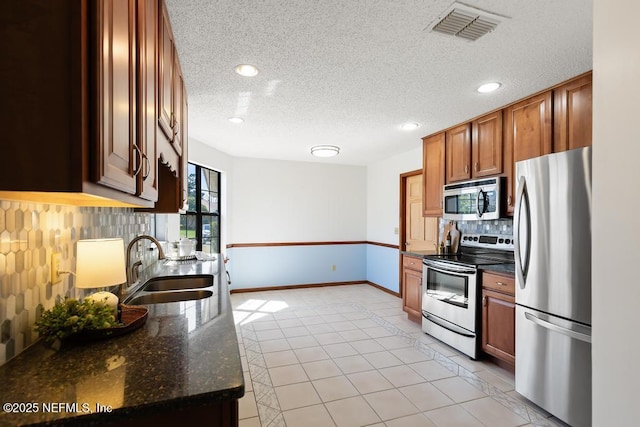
(350, 72)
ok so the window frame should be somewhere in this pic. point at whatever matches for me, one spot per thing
(198, 212)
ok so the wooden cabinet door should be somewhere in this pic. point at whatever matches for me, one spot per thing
(498, 325)
(185, 149)
(118, 159)
(433, 159)
(572, 104)
(458, 143)
(486, 145)
(421, 233)
(527, 135)
(147, 93)
(165, 68)
(529, 127)
(412, 291)
(178, 91)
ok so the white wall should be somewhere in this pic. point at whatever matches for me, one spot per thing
(383, 198)
(616, 221)
(285, 201)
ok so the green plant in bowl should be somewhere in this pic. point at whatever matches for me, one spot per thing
(71, 317)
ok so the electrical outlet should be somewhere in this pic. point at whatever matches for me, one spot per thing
(333, 268)
(56, 260)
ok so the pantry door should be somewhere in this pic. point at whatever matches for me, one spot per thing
(420, 233)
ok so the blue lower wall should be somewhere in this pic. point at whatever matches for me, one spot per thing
(382, 267)
(270, 266)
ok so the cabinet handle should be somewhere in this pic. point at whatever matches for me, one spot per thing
(466, 168)
(484, 301)
(139, 158)
(476, 166)
(509, 200)
(501, 284)
(148, 166)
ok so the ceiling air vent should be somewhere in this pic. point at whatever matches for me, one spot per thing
(465, 22)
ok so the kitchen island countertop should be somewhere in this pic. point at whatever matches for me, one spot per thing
(184, 358)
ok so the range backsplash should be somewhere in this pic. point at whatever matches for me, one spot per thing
(502, 226)
(29, 234)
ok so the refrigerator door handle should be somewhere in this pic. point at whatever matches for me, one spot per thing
(522, 198)
(553, 327)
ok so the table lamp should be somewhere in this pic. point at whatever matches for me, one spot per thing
(100, 263)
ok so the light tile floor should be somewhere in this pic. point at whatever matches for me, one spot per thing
(348, 356)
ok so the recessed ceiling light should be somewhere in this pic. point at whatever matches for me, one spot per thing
(236, 119)
(410, 126)
(246, 70)
(489, 87)
(325, 150)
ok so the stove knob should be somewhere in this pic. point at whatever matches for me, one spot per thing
(475, 239)
(501, 241)
(507, 241)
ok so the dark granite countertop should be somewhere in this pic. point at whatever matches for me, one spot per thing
(507, 269)
(185, 356)
(419, 254)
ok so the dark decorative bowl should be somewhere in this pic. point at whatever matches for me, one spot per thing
(132, 317)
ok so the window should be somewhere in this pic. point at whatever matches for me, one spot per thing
(202, 220)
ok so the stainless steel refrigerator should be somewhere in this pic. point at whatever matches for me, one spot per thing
(552, 225)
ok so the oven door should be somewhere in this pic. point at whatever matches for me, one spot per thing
(450, 293)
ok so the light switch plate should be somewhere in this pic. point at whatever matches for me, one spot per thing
(56, 259)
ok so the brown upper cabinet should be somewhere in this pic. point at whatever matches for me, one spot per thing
(433, 161)
(528, 130)
(171, 85)
(118, 156)
(474, 149)
(486, 145)
(458, 156)
(557, 119)
(572, 103)
(82, 116)
(147, 96)
(529, 127)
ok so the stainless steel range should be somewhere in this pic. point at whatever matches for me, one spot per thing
(450, 301)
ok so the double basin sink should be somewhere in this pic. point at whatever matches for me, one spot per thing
(160, 290)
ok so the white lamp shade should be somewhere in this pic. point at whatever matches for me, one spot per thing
(100, 263)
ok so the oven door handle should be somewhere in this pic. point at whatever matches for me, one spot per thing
(455, 329)
(445, 268)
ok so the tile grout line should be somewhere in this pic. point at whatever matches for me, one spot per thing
(271, 415)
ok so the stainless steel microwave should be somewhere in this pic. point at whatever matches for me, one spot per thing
(478, 199)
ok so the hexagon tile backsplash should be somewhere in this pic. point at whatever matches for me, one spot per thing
(29, 234)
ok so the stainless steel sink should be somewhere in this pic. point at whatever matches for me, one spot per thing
(178, 283)
(165, 297)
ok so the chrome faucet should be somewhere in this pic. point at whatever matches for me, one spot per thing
(132, 270)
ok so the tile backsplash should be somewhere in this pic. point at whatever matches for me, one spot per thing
(502, 226)
(29, 234)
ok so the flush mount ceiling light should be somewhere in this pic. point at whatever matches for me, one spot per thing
(489, 87)
(325, 150)
(236, 119)
(246, 70)
(410, 126)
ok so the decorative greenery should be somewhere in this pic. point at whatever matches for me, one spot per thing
(72, 316)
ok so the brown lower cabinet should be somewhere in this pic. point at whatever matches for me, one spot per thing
(499, 316)
(412, 287)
